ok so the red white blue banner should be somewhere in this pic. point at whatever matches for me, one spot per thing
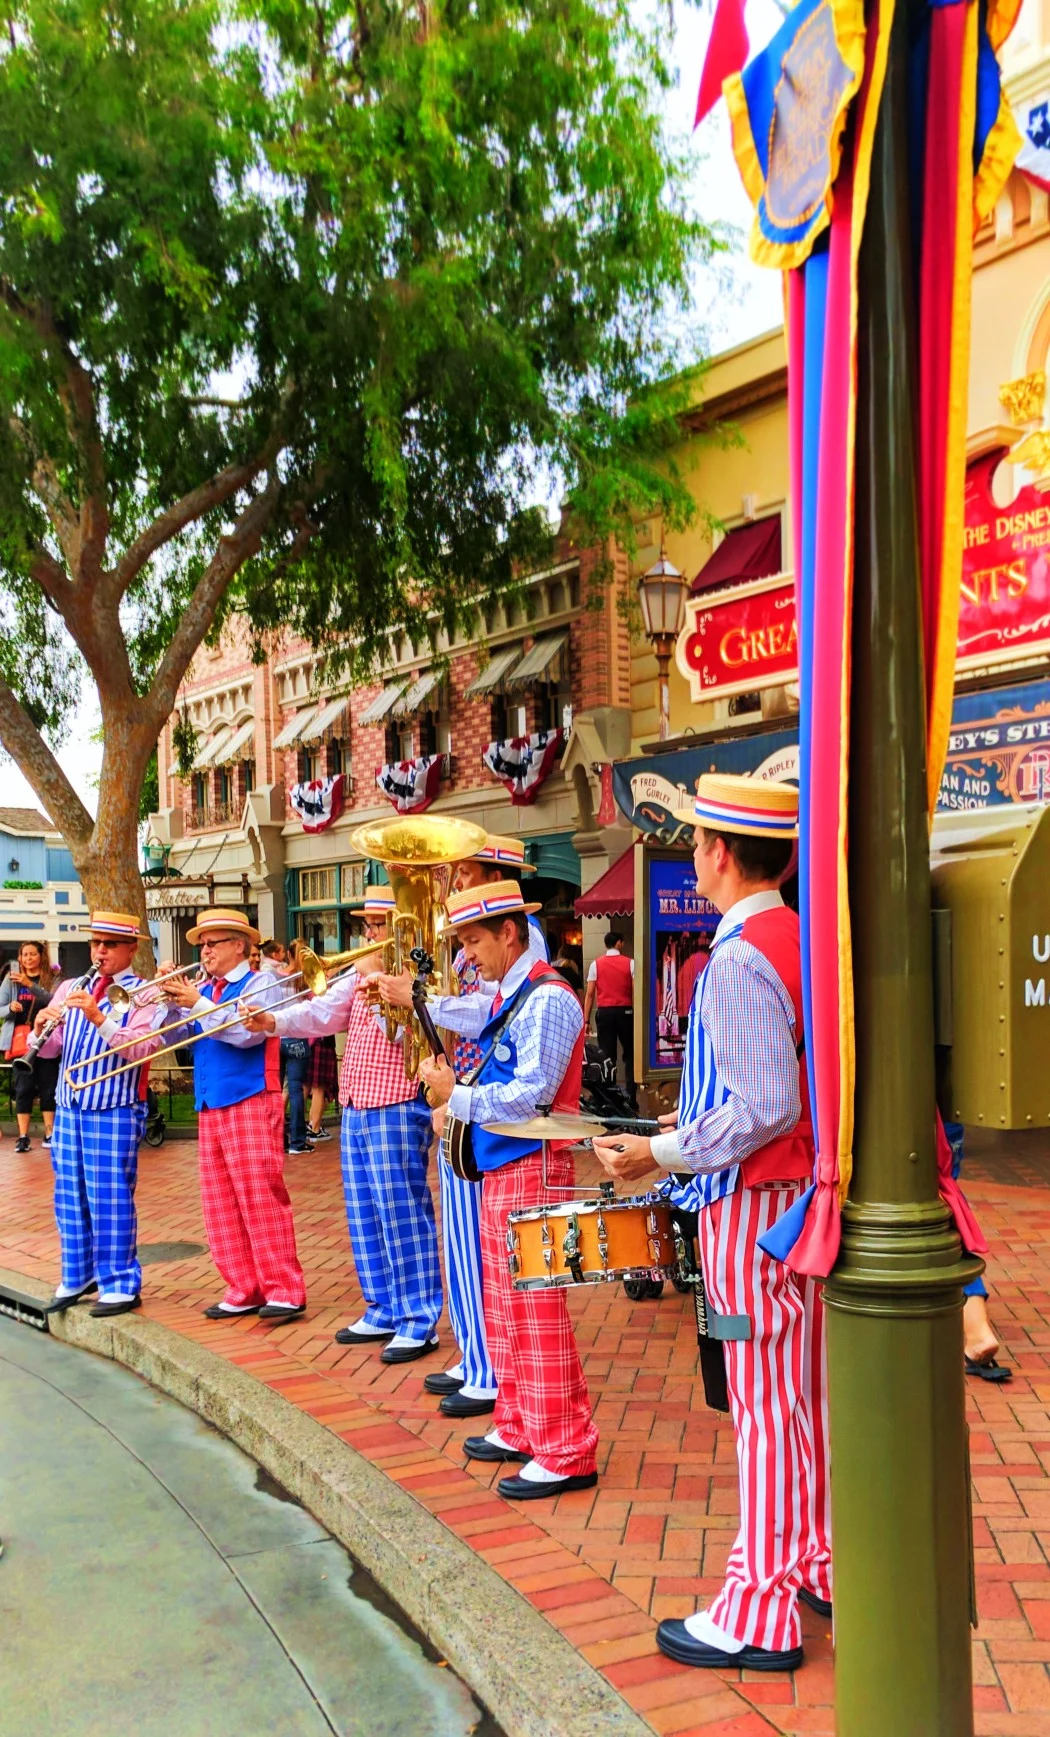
(319, 802)
(524, 762)
(411, 785)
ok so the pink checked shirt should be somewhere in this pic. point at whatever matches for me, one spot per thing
(373, 1072)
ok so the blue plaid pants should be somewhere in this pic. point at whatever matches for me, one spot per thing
(461, 1240)
(94, 1155)
(391, 1215)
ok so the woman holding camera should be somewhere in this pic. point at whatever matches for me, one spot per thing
(25, 991)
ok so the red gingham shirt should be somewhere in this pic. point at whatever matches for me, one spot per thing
(373, 1072)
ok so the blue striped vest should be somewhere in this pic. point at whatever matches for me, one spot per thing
(80, 1040)
(701, 1089)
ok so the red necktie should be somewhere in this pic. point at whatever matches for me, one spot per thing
(100, 989)
(217, 988)
(497, 1003)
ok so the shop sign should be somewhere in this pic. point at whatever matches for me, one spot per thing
(177, 899)
(744, 638)
(741, 639)
(649, 790)
(677, 918)
(1004, 611)
(998, 749)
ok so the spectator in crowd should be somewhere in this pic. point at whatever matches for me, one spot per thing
(274, 957)
(610, 984)
(26, 990)
(322, 1082)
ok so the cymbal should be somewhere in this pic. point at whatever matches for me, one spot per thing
(556, 1127)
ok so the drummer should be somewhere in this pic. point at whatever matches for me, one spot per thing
(531, 1038)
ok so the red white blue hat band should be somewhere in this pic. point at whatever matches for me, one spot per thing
(478, 904)
(734, 817)
(725, 802)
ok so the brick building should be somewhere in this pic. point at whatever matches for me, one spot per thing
(554, 657)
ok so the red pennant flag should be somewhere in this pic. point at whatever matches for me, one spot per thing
(727, 52)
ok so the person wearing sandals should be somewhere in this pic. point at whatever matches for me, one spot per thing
(26, 990)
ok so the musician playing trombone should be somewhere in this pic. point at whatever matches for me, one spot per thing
(240, 1118)
(98, 1124)
(385, 1150)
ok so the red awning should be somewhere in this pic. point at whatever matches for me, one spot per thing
(612, 895)
(746, 552)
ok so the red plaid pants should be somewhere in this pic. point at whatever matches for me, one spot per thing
(543, 1407)
(777, 1395)
(247, 1212)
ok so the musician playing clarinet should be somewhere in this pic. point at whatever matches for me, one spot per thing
(744, 1128)
(531, 1040)
(95, 1144)
(240, 1121)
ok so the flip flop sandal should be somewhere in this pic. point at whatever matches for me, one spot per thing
(992, 1371)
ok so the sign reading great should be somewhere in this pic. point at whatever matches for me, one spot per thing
(744, 637)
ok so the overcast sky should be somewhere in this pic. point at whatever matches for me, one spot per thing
(751, 304)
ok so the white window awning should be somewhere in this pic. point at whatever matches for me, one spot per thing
(383, 703)
(535, 664)
(413, 697)
(241, 746)
(295, 726)
(496, 670)
(324, 719)
(206, 755)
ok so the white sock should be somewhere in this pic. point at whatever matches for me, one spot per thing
(497, 1441)
(115, 1296)
(534, 1473)
(70, 1290)
(401, 1340)
(477, 1392)
(237, 1308)
(281, 1303)
(456, 1372)
(367, 1329)
(703, 1628)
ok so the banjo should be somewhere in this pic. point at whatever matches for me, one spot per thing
(456, 1141)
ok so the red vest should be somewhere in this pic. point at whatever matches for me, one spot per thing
(567, 1097)
(615, 983)
(775, 934)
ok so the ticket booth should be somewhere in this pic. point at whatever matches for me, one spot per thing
(991, 897)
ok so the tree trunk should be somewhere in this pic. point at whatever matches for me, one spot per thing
(108, 865)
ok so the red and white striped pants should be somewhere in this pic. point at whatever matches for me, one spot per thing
(247, 1212)
(543, 1407)
(778, 1400)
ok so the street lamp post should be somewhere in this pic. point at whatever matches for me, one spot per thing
(661, 593)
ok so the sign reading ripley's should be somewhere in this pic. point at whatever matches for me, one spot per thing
(744, 638)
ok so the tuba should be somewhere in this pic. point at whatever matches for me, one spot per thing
(419, 856)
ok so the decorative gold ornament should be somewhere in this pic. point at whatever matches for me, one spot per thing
(1023, 399)
(1033, 452)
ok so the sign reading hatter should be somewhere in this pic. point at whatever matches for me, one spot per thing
(745, 638)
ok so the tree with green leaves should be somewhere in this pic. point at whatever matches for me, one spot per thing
(299, 305)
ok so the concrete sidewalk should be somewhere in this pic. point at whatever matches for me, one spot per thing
(154, 1581)
(603, 1566)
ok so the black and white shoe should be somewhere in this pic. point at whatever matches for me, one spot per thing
(674, 1639)
(61, 1301)
(223, 1312)
(22, 1143)
(359, 1333)
(115, 1306)
(520, 1489)
(281, 1311)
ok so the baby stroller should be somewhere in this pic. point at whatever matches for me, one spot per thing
(156, 1122)
(600, 1094)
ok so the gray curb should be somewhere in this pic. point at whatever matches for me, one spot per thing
(533, 1681)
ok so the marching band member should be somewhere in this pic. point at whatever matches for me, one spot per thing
(468, 1389)
(543, 1414)
(240, 1114)
(385, 1150)
(95, 1143)
(743, 1126)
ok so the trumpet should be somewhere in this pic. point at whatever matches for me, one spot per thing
(118, 997)
(195, 976)
(419, 856)
(315, 972)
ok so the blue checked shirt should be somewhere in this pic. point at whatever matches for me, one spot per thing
(545, 1034)
(740, 1075)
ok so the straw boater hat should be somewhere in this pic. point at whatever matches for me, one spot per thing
(477, 904)
(216, 923)
(499, 848)
(379, 901)
(727, 803)
(115, 926)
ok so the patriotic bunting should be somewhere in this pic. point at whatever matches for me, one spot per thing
(524, 762)
(411, 785)
(319, 802)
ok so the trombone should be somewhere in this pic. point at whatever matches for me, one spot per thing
(194, 975)
(314, 971)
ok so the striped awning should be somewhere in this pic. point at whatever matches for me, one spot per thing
(495, 671)
(295, 726)
(241, 746)
(325, 719)
(535, 664)
(206, 755)
(413, 697)
(383, 703)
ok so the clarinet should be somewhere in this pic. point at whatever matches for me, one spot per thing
(39, 1038)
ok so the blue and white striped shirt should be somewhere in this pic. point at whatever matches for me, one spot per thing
(740, 1074)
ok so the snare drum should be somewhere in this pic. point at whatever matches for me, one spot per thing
(583, 1242)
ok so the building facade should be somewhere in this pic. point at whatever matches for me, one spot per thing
(41, 898)
(531, 708)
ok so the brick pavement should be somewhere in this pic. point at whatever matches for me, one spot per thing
(651, 1541)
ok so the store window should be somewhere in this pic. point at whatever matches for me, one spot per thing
(508, 718)
(317, 886)
(353, 882)
(249, 776)
(320, 930)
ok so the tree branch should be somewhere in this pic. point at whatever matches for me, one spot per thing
(214, 493)
(243, 542)
(38, 765)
